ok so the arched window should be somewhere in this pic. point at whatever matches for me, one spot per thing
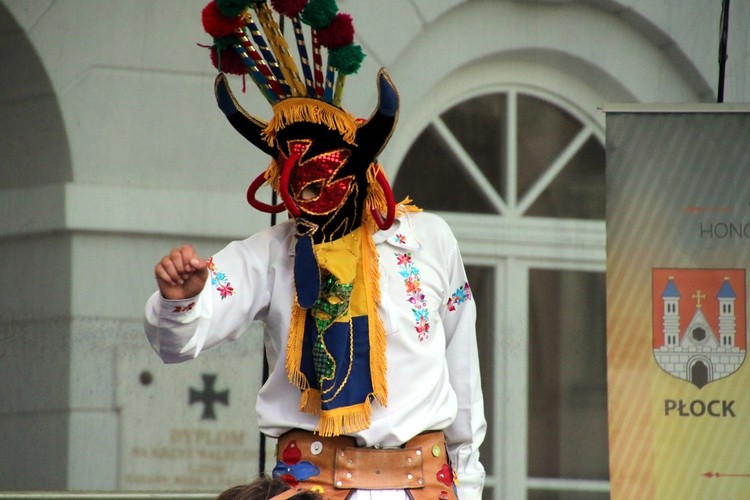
(507, 153)
(522, 160)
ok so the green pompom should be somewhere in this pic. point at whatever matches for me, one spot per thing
(233, 8)
(319, 13)
(347, 59)
(225, 42)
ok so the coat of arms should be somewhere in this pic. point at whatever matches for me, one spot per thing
(699, 322)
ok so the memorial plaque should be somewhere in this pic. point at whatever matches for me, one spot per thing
(189, 426)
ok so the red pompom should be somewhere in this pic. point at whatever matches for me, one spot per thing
(216, 24)
(289, 8)
(231, 62)
(339, 33)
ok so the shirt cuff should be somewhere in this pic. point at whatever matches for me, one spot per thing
(180, 311)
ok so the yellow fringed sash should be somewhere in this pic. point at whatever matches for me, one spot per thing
(330, 258)
(356, 417)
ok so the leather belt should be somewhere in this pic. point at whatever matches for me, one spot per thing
(369, 468)
(335, 466)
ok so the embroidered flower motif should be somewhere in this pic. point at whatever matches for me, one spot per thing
(399, 239)
(414, 295)
(420, 315)
(412, 285)
(423, 329)
(461, 295)
(219, 280)
(182, 309)
(225, 290)
(416, 298)
(404, 260)
(291, 468)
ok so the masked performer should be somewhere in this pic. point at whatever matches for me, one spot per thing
(374, 386)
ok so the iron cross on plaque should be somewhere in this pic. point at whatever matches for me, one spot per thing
(208, 396)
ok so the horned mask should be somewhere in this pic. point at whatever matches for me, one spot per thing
(324, 168)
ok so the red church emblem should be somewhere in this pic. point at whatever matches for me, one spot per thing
(699, 322)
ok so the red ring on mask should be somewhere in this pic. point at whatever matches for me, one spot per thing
(286, 172)
(259, 205)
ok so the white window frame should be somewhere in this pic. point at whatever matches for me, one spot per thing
(512, 245)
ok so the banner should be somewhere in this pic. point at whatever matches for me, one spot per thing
(678, 250)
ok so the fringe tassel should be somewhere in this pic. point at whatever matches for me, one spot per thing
(345, 420)
(406, 205)
(294, 348)
(273, 175)
(302, 109)
(369, 255)
(310, 401)
(376, 199)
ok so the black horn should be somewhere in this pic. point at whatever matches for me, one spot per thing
(250, 127)
(373, 135)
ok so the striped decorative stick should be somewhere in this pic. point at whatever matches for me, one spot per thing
(260, 64)
(267, 55)
(280, 48)
(338, 91)
(317, 66)
(304, 59)
(330, 76)
(256, 75)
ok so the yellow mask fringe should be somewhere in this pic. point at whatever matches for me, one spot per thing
(272, 175)
(294, 348)
(376, 198)
(345, 420)
(304, 109)
(406, 205)
(280, 48)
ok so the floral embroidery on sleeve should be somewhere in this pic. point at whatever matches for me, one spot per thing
(414, 294)
(182, 309)
(461, 295)
(219, 280)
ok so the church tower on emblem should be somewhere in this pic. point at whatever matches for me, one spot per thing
(704, 348)
(727, 323)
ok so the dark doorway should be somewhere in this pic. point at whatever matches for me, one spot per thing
(699, 374)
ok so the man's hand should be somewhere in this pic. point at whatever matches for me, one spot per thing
(181, 274)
